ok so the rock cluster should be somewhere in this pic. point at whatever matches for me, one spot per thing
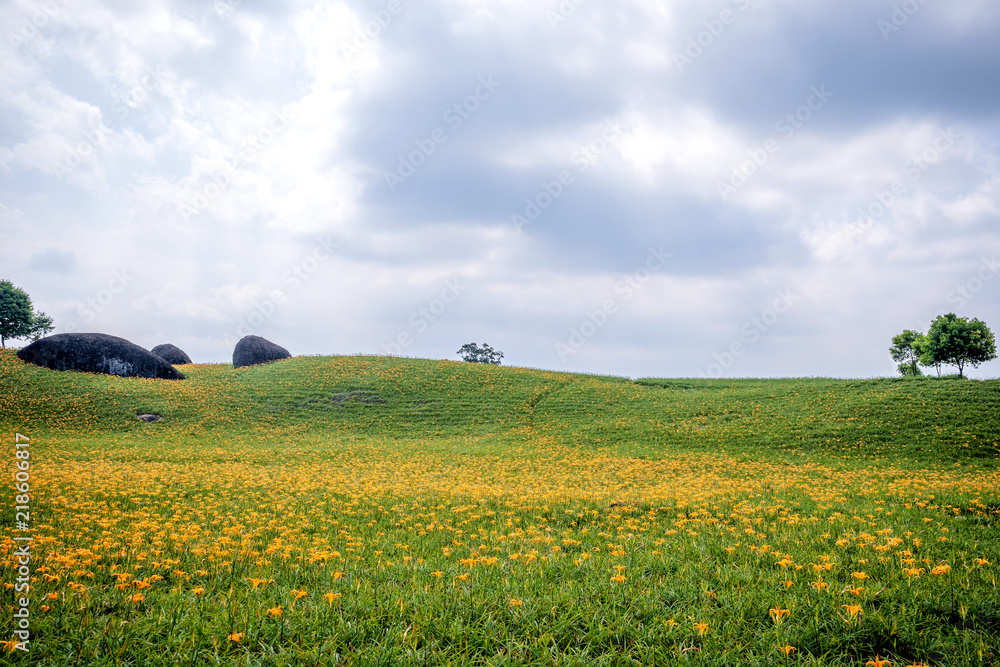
(97, 353)
(111, 355)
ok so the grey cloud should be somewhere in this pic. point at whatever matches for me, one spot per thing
(53, 261)
(452, 217)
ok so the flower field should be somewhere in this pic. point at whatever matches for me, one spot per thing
(382, 511)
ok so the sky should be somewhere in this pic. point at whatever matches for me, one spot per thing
(732, 188)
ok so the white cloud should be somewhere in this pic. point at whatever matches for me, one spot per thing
(184, 101)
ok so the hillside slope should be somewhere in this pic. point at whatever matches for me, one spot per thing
(930, 420)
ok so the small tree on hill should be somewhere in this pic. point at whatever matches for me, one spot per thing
(906, 350)
(926, 358)
(480, 355)
(41, 324)
(957, 341)
(17, 317)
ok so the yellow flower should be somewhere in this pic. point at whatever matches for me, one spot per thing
(137, 598)
(437, 574)
(618, 579)
(701, 627)
(941, 569)
(338, 575)
(788, 583)
(819, 585)
(982, 561)
(852, 609)
(786, 649)
(877, 663)
(464, 577)
(236, 637)
(860, 576)
(778, 613)
(299, 594)
(330, 597)
(514, 602)
(275, 612)
(913, 571)
(197, 590)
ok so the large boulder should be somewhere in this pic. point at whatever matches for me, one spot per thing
(253, 350)
(97, 353)
(171, 354)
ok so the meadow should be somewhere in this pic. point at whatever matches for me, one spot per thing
(364, 510)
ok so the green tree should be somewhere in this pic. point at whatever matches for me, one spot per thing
(18, 318)
(906, 350)
(957, 341)
(480, 355)
(15, 312)
(923, 350)
(41, 324)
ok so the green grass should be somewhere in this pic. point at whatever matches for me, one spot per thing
(465, 514)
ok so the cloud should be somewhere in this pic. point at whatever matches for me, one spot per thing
(207, 150)
(55, 261)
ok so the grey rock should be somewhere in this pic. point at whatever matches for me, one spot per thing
(172, 354)
(97, 353)
(253, 350)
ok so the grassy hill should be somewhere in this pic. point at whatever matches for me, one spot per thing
(373, 510)
(916, 420)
